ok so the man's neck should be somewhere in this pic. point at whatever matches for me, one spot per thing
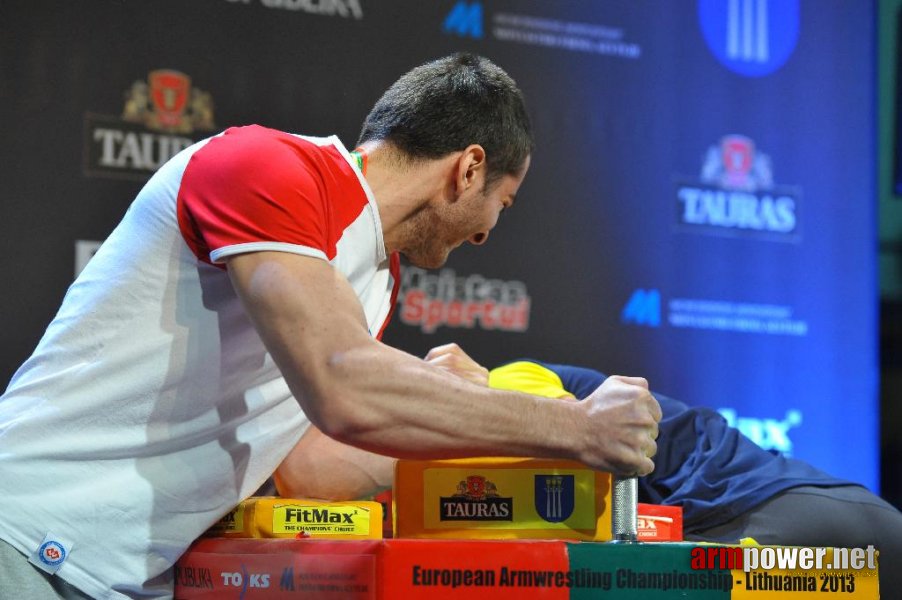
(401, 187)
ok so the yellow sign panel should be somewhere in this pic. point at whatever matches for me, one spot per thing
(845, 572)
(321, 519)
(758, 584)
(509, 498)
(267, 517)
(501, 498)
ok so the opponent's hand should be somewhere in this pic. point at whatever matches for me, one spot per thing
(622, 424)
(451, 358)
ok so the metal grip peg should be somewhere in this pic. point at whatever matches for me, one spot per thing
(625, 510)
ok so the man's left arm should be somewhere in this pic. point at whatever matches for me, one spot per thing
(322, 468)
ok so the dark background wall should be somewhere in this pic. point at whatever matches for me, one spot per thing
(701, 207)
(890, 247)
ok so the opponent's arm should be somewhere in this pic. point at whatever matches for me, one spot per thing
(452, 358)
(369, 395)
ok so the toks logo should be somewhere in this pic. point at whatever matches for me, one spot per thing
(476, 499)
(156, 119)
(244, 579)
(737, 196)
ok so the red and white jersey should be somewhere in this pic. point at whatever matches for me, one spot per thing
(151, 407)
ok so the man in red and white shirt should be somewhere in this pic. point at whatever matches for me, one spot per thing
(240, 300)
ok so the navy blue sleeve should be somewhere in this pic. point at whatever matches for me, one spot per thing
(709, 468)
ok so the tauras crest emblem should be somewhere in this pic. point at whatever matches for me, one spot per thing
(167, 102)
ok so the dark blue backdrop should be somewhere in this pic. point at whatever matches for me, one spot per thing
(700, 209)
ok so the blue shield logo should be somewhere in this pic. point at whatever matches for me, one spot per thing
(554, 497)
(750, 37)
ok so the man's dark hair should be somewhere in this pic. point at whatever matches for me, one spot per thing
(445, 105)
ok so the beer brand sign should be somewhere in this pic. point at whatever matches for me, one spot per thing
(161, 116)
(524, 499)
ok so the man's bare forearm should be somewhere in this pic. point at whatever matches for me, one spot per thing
(364, 393)
(413, 409)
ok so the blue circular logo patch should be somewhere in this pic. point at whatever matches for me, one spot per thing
(751, 37)
(52, 553)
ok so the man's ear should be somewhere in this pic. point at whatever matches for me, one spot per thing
(471, 168)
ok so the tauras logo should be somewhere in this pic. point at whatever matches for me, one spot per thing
(158, 120)
(736, 195)
(476, 499)
(737, 210)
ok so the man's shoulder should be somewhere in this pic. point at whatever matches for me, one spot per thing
(271, 153)
(260, 137)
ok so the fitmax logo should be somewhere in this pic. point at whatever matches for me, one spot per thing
(643, 308)
(770, 434)
(464, 20)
